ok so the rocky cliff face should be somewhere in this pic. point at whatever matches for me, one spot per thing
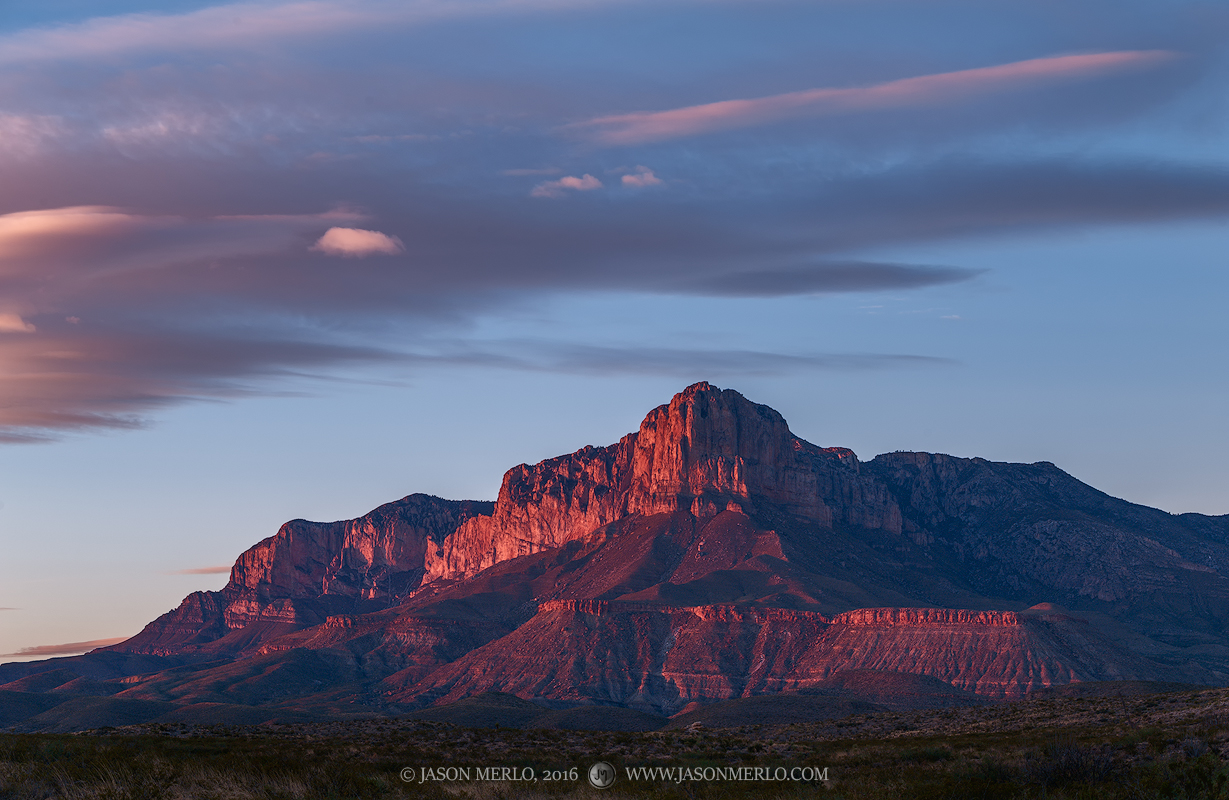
(706, 451)
(660, 658)
(309, 570)
(713, 554)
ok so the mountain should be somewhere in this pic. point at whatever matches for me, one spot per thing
(710, 555)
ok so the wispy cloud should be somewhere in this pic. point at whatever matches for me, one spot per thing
(683, 363)
(68, 649)
(826, 277)
(221, 569)
(242, 26)
(26, 134)
(924, 90)
(101, 377)
(47, 244)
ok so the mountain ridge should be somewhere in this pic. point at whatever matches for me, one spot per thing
(714, 554)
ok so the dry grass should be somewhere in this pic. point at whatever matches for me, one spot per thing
(1172, 746)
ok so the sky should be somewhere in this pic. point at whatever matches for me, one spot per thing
(272, 260)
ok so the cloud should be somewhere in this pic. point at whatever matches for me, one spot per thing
(546, 356)
(223, 26)
(357, 243)
(102, 377)
(218, 570)
(184, 306)
(7, 608)
(842, 276)
(12, 323)
(46, 245)
(585, 183)
(252, 25)
(26, 134)
(69, 649)
(25, 231)
(643, 176)
(686, 362)
(925, 90)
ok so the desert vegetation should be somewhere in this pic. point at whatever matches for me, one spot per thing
(1172, 745)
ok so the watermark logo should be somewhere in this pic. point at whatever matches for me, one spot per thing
(707, 774)
(601, 775)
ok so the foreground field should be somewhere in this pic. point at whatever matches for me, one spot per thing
(1173, 745)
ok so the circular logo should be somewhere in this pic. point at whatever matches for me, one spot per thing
(601, 775)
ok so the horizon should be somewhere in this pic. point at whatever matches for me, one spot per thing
(266, 261)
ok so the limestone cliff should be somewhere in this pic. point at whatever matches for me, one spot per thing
(711, 554)
(707, 449)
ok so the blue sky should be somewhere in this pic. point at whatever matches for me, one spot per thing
(268, 260)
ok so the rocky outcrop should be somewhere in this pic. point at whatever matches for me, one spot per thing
(378, 555)
(306, 572)
(926, 618)
(708, 450)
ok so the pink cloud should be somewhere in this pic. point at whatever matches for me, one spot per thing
(924, 90)
(25, 134)
(39, 246)
(643, 176)
(244, 24)
(26, 231)
(68, 649)
(357, 243)
(13, 323)
(218, 26)
(585, 183)
(221, 569)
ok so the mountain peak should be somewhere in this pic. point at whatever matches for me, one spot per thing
(708, 442)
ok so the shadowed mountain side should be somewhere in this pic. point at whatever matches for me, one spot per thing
(778, 709)
(98, 665)
(899, 691)
(251, 681)
(60, 714)
(41, 681)
(85, 713)
(1027, 530)
(16, 707)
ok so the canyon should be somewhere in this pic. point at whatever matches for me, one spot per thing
(710, 555)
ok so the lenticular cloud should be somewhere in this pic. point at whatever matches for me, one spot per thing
(357, 243)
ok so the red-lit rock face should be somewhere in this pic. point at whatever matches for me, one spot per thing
(714, 554)
(708, 450)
